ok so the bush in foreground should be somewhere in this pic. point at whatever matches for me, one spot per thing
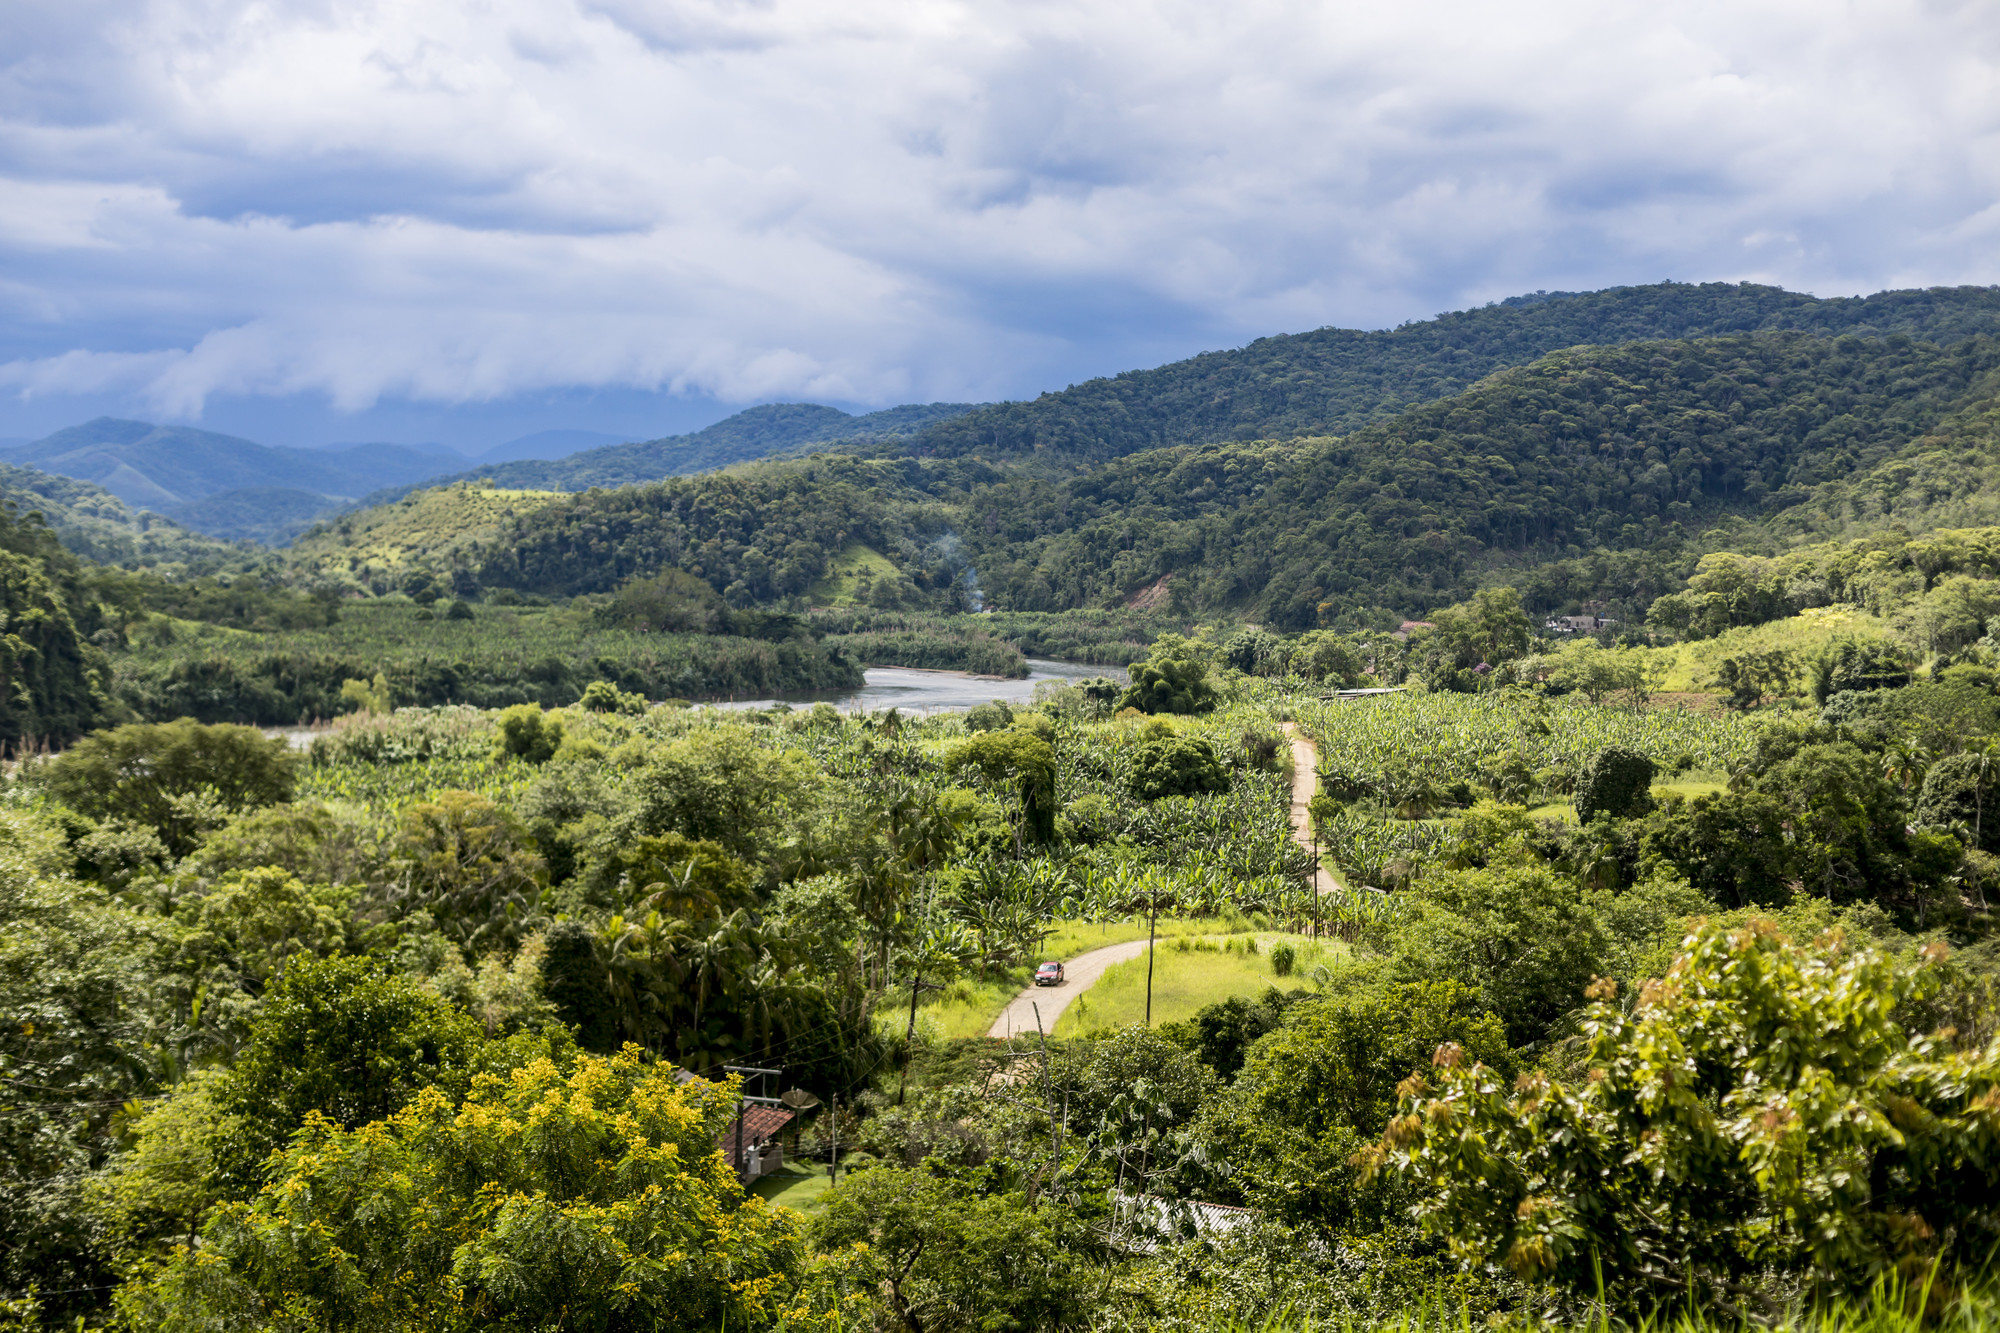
(1761, 1110)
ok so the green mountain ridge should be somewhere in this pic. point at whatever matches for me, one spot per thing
(1613, 448)
(93, 523)
(757, 432)
(1606, 466)
(192, 474)
(1332, 381)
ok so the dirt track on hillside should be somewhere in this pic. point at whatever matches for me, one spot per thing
(1305, 781)
(1079, 975)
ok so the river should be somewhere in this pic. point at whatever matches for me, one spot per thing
(938, 691)
(917, 692)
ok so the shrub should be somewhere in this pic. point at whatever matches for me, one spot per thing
(616, 1212)
(1963, 789)
(989, 717)
(574, 982)
(1176, 766)
(343, 1038)
(527, 734)
(1765, 1090)
(171, 776)
(1025, 759)
(1091, 818)
(601, 696)
(1173, 680)
(1283, 959)
(1256, 652)
(372, 697)
(1264, 751)
(470, 864)
(1616, 782)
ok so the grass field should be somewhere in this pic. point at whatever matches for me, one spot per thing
(423, 529)
(1692, 666)
(969, 1006)
(841, 583)
(1566, 810)
(796, 1185)
(1187, 980)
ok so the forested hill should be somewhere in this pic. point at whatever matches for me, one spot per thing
(1616, 457)
(1332, 381)
(92, 522)
(1593, 449)
(758, 432)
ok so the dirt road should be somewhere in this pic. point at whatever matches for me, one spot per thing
(1305, 781)
(1081, 972)
(1079, 975)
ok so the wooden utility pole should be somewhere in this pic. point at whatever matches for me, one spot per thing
(917, 983)
(1152, 916)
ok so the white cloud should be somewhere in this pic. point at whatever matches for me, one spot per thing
(873, 200)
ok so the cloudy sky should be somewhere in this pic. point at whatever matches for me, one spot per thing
(466, 219)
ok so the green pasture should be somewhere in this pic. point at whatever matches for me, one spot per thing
(853, 564)
(1566, 810)
(969, 1005)
(1692, 666)
(1189, 974)
(799, 1186)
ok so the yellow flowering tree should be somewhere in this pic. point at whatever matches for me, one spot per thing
(586, 1199)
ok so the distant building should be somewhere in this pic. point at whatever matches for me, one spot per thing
(1577, 624)
(1140, 1222)
(756, 1152)
(1409, 627)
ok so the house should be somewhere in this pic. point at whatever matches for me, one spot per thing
(1577, 624)
(1409, 627)
(1140, 1222)
(751, 1141)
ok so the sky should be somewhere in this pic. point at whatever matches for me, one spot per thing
(465, 220)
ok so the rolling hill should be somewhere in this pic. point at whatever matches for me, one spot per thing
(220, 484)
(439, 529)
(95, 524)
(1570, 448)
(1627, 454)
(758, 432)
(1332, 381)
(1598, 472)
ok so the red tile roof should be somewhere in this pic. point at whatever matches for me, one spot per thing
(760, 1124)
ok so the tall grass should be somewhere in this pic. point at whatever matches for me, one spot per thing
(1891, 1305)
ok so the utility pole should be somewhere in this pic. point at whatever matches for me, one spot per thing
(917, 983)
(1315, 881)
(1152, 916)
(1048, 1083)
(833, 1158)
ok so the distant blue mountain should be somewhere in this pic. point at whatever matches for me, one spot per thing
(240, 490)
(757, 432)
(194, 475)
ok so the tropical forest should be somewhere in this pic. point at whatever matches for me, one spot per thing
(1479, 824)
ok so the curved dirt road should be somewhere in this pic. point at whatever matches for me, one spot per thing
(1305, 782)
(1079, 975)
(1081, 972)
